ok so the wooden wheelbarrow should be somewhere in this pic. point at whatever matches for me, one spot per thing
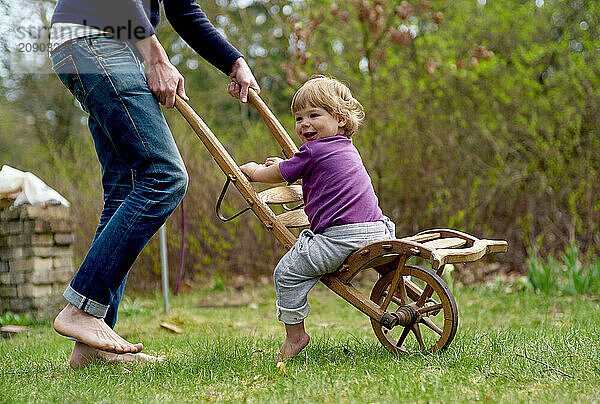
(406, 299)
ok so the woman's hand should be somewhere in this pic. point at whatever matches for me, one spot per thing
(164, 80)
(242, 79)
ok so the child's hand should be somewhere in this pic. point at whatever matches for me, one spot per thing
(249, 169)
(272, 160)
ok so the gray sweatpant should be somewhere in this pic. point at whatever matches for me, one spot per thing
(314, 255)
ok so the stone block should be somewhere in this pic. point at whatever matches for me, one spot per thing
(54, 251)
(8, 291)
(62, 226)
(5, 278)
(15, 240)
(14, 278)
(20, 305)
(12, 227)
(61, 276)
(44, 239)
(36, 259)
(35, 291)
(55, 276)
(41, 277)
(64, 238)
(30, 264)
(18, 278)
(41, 226)
(51, 225)
(29, 226)
(25, 290)
(8, 253)
(42, 290)
(48, 307)
(44, 212)
(62, 262)
(10, 214)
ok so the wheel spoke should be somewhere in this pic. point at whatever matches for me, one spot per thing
(393, 286)
(394, 299)
(428, 309)
(426, 295)
(402, 290)
(417, 332)
(429, 323)
(414, 291)
(402, 337)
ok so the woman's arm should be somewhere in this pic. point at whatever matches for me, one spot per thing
(192, 24)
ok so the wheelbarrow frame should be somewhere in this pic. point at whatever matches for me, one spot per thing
(388, 258)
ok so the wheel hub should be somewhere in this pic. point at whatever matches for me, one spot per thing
(404, 316)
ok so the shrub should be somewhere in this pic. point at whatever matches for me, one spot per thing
(569, 276)
(10, 318)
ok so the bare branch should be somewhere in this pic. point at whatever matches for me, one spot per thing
(545, 364)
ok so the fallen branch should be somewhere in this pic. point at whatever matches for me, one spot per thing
(545, 364)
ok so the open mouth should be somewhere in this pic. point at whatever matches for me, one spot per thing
(310, 135)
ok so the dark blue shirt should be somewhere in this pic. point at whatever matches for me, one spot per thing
(133, 20)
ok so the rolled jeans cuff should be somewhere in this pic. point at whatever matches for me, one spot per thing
(292, 316)
(83, 303)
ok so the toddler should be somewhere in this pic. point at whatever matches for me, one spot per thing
(340, 202)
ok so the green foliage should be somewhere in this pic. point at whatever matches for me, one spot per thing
(569, 276)
(489, 126)
(218, 283)
(10, 318)
(542, 274)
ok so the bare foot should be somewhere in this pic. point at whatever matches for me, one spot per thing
(296, 339)
(91, 331)
(290, 349)
(83, 355)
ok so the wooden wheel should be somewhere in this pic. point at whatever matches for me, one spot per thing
(428, 296)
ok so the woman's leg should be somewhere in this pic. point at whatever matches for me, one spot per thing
(106, 78)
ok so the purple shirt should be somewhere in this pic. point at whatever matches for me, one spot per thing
(336, 186)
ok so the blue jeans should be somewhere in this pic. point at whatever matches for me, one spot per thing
(143, 175)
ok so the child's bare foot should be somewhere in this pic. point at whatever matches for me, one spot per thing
(83, 355)
(91, 331)
(290, 349)
(296, 339)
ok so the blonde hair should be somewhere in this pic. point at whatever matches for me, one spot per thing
(334, 97)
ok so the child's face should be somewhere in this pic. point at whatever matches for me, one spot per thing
(316, 123)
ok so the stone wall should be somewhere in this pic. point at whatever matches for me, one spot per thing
(36, 259)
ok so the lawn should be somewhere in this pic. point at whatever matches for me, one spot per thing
(511, 346)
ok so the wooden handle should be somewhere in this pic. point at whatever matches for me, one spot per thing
(233, 172)
(282, 137)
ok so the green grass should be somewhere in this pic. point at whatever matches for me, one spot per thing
(226, 354)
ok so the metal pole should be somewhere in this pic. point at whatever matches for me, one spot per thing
(164, 266)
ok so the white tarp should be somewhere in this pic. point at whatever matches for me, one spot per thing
(32, 190)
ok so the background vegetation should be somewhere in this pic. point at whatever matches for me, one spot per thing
(481, 115)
